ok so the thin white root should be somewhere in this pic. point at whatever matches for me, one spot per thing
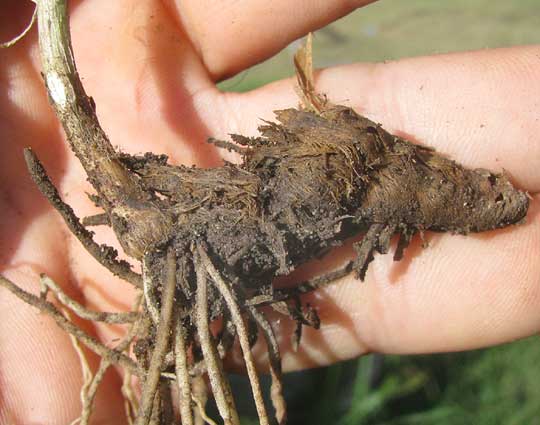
(131, 405)
(183, 380)
(85, 368)
(236, 316)
(53, 312)
(150, 385)
(220, 385)
(155, 418)
(148, 288)
(96, 316)
(203, 414)
(19, 37)
(276, 389)
(199, 394)
(88, 401)
(90, 383)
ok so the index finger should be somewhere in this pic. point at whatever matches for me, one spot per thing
(233, 35)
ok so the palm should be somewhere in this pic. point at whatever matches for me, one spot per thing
(155, 92)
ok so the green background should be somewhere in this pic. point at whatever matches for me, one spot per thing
(391, 29)
(499, 385)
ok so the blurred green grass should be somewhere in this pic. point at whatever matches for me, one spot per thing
(392, 29)
(499, 385)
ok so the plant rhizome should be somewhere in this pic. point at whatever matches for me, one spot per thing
(211, 241)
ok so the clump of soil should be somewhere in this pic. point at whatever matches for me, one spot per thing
(211, 241)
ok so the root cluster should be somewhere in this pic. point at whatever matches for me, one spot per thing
(210, 242)
(180, 294)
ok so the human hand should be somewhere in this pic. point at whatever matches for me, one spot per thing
(151, 68)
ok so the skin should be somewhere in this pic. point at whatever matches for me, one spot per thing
(151, 68)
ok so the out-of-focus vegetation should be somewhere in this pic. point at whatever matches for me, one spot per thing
(500, 385)
(484, 387)
(392, 29)
(496, 386)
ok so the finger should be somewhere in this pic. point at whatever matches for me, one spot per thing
(459, 293)
(234, 35)
(143, 75)
(480, 108)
